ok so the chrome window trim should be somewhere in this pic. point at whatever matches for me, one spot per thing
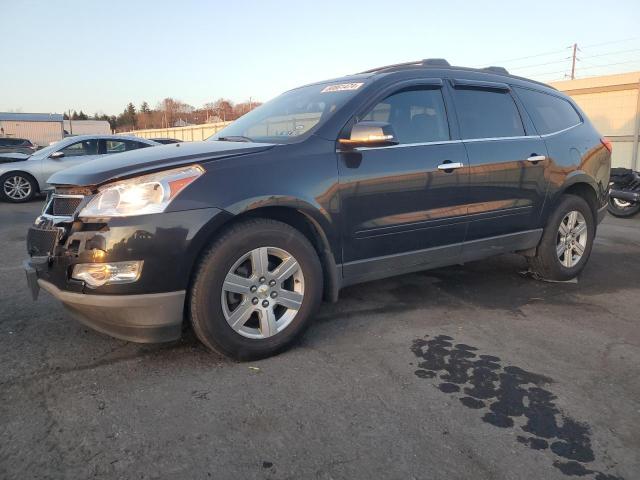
(469, 140)
(562, 131)
(403, 145)
(492, 139)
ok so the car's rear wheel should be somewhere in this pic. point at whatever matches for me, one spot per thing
(255, 290)
(17, 187)
(566, 241)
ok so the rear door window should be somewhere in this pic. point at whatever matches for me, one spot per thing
(487, 114)
(115, 146)
(548, 112)
(119, 146)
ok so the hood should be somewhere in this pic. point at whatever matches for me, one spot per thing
(112, 167)
(13, 157)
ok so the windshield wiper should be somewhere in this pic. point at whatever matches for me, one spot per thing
(235, 138)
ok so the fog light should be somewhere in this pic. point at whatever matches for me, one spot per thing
(98, 274)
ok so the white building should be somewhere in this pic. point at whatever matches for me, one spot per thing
(612, 102)
(40, 128)
(87, 127)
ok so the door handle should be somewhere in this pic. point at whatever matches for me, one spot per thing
(450, 166)
(536, 158)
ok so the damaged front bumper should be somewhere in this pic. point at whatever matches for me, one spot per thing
(151, 308)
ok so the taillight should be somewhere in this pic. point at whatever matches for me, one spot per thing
(607, 144)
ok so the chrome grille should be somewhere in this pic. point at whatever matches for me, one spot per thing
(64, 206)
(42, 242)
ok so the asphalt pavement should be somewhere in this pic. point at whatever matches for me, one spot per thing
(466, 372)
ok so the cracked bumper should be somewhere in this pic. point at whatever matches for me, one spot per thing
(146, 318)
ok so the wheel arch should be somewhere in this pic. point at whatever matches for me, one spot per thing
(314, 232)
(25, 173)
(305, 223)
(585, 187)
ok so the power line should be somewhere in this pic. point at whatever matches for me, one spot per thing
(587, 68)
(542, 64)
(612, 53)
(610, 64)
(612, 41)
(538, 55)
(526, 58)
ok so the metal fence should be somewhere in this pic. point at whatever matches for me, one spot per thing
(192, 133)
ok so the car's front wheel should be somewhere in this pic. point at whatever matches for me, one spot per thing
(17, 187)
(566, 241)
(255, 290)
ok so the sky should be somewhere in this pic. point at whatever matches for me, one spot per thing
(97, 56)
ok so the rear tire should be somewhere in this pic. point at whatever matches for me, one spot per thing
(622, 209)
(255, 290)
(17, 187)
(566, 241)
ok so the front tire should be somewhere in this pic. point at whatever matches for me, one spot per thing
(566, 241)
(17, 187)
(255, 290)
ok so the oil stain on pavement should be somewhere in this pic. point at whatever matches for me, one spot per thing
(504, 393)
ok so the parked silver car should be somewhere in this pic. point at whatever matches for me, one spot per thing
(23, 176)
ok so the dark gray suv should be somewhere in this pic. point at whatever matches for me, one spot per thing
(393, 170)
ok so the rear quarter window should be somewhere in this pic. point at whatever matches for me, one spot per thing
(549, 113)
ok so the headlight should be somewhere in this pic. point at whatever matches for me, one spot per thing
(141, 195)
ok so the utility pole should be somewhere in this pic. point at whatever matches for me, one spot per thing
(70, 124)
(573, 61)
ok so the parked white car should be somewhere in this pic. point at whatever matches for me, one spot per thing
(22, 176)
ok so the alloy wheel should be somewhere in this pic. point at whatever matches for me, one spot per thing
(17, 187)
(572, 239)
(262, 292)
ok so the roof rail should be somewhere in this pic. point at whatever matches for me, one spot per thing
(432, 62)
(436, 62)
(493, 69)
(395, 65)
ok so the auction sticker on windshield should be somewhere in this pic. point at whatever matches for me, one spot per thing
(341, 87)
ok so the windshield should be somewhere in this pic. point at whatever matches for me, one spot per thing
(289, 116)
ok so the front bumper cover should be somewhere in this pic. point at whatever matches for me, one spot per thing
(148, 310)
(145, 318)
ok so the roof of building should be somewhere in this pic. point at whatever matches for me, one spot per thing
(31, 117)
(599, 81)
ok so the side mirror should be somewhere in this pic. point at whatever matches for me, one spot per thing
(370, 134)
(56, 155)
